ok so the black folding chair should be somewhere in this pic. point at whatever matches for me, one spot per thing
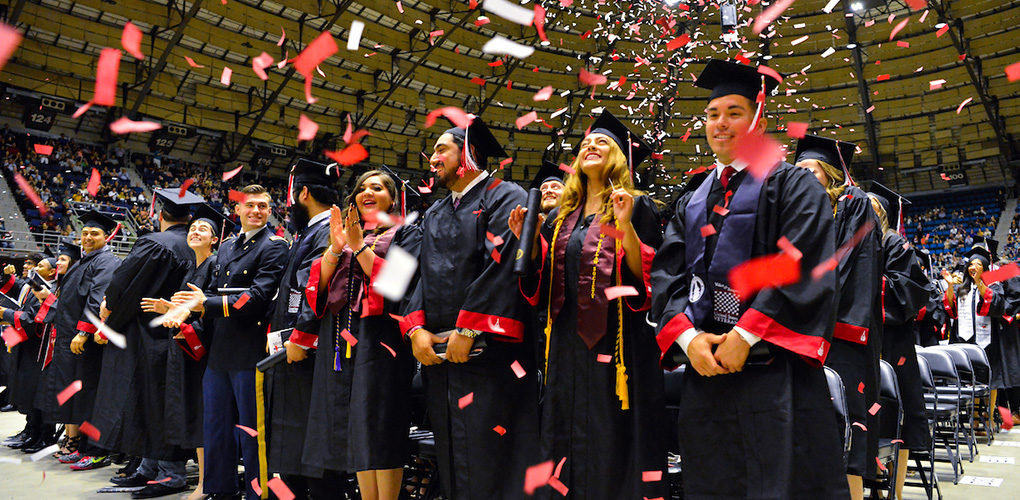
(934, 412)
(968, 389)
(891, 419)
(838, 394)
(947, 395)
(982, 370)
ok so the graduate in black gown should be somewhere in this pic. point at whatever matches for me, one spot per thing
(603, 410)
(468, 294)
(75, 355)
(381, 364)
(905, 288)
(1004, 352)
(931, 321)
(289, 385)
(855, 349)
(762, 429)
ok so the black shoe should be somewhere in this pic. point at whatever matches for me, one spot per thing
(36, 445)
(157, 490)
(131, 481)
(15, 444)
(19, 437)
(26, 443)
(8, 408)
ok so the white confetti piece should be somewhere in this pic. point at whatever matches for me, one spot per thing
(503, 46)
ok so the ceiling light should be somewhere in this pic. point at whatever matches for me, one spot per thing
(851, 46)
(857, 6)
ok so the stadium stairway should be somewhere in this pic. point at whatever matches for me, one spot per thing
(14, 220)
(1005, 220)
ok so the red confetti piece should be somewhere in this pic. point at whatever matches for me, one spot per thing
(544, 94)
(131, 40)
(348, 337)
(761, 153)
(869, 110)
(537, 476)
(43, 149)
(225, 77)
(125, 125)
(862, 426)
(903, 44)
(723, 211)
(82, 109)
(396, 318)
(540, 22)
(1001, 274)
(13, 337)
(962, 104)
(604, 358)
(283, 37)
(767, 71)
(466, 400)
(241, 301)
(260, 63)
(611, 232)
(231, 173)
(556, 484)
(518, 369)
(10, 38)
(184, 187)
(251, 432)
(874, 409)
(1007, 417)
(278, 487)
(192, 63)
(917, 4)
(481, 21)
(881, 466)
(898, 28)
(456, 116)
(307, 128)
(882, 78)
(30, 193)
(106, 78)
(89, 430)
(588, 78)
(495, 256)
(478, 81)
(499, 430)
(678, 42)
(788, 248)
(942, 31)
(707, 230)
(650, 476)
(615, 292)
(1013, 72)
(796, 130)
(860, 387)
(165, 479)
(494, 238)
(315, 53)
(388, 348)
(527, 119)
(93, 186)
(901, 361)
(236, 196)
(770, 14)
(505, 162)
(768, 271)
(69, 391)
(351, 155)
(495, 183)
(567, 168)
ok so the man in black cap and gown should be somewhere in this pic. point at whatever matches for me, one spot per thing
(757, 426)
(549, 181)
(468, 295)
(133, 383)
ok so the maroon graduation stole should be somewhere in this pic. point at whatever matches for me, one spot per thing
(598, 256)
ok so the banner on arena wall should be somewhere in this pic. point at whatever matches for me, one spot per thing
(955, 175)
(166, 138)
(39, 118)
(266, 155)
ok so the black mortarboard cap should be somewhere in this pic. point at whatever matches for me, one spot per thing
(175, 204)
(890, 201)
(69, 248)
(635, 151)
(813, 147)
(93, 218)
(979, 251)
(221, 225)
(308, 172)
(548, 171)
(479, 136)
(990, 245)
(725, 78)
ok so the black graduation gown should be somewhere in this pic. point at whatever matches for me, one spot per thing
(767, 432)
(183, 404)
(26, 357)
(931, 320)
(133, 382)
(607, 449)
(856, 345)
(992, 304)
(905, 289)
(81, 289)
(289, 385)
(463, 286)
(1004, 351)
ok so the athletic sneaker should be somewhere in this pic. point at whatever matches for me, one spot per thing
(70, 458)
(89, 463)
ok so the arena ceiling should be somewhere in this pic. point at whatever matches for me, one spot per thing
(923, 92)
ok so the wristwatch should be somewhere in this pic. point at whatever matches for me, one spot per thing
(467, 332)
(83, 334)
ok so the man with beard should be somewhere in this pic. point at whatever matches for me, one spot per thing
(549, 181)
(133, 381)
(289, 386)
(236, 323)
(468, 296)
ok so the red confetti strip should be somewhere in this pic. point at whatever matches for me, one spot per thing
(106, 78)
(307, 128)
(225, 76)
(278, 487)
(881, 466)
(942, 31)
(30, 193)
(230, 174)
(499, 430)
(767, 71)
(165, 479)
(901, 361)
(94, 180)
(862, 426)
(556, 484)
(796, 130)
(707, 230)
(495, 255)
(315, 53)
(456, 116)
(723, 211)
(495, 183)
(351, 155)
(125, 125)
(962, 104)
(89, 430)
(882, 78)
(466, 401)
(13, 337)
(251, 432)
(588, 78)
(349, 338)
(761, 153)
(770, 14)
(615, 292)
(236, 196)
(10, 38)
(604, 358)
(494, 238)
(567, 168)
(898, 28)
(388, 348)
(255, 486)
(131, 40)
(527, 119)
(1001, 274)
(518, 369)
(537, 476)
(69, 391)
(1007, 417)
(260, 63)
(650, 476)
(768, 271)
(505, 162)
(184, 187)
(544, 94)
(241, 301)
(903, 44)
(43, 149)
(82, 109)
(1013, 72)
(874, 409)
(283, 37)
(917, 4)
(540, 22)
(478, 81)
(678, 42)
(788, 248)
(612, 232)
(860, 387)
(192, 63)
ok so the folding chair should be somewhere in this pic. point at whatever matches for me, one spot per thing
(421, 473)
(934, 412)
(967, 388)
(838, 394)
(946, 395)
(891, 419)
(982, 370)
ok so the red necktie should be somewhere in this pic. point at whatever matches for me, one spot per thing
(727, 174)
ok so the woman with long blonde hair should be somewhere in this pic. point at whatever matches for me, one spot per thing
(603, 408)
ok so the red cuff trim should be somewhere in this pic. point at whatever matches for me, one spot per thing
(304, 339)
(672, 331)
(851, 333)
(921, 313)
(647, 256)
(411, 320)
(85, 326)
(7, 286)
(986, 302)
(950, 310)
(373, 304)
(505, 329)
(312, 287)
(1007, 318)
(812, 349)
(534, 298)
(195, 349)
(17, 322)
(44, 309)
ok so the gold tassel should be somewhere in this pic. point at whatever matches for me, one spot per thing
(622, 391)
(548, 302)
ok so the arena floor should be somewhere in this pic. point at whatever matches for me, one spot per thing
(48, 479)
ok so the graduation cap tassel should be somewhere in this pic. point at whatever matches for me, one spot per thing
(114, 233)
(152, 206)
(622, 392)
(847, 180)
(630, 155)
(465, 155)
(899, 217)
(290, 189)
(761, 106)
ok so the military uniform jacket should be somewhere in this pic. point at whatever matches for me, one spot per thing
(237, 323)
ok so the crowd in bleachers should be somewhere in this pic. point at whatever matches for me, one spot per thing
(949, 228)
